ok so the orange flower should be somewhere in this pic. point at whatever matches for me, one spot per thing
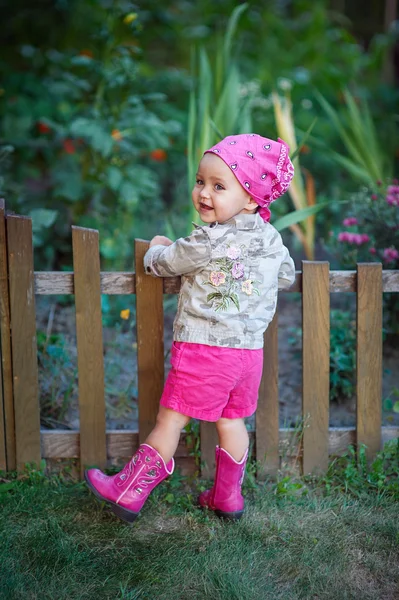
(159, 155)
(42, 127)
(69, 146)
(125, 314)
(87, 53)
(304, 149)
(116, 134)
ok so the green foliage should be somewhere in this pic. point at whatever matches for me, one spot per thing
(371, 233)
(216, 107)
(353, 473)
(57, 378)
(369, 159)
(84, 132)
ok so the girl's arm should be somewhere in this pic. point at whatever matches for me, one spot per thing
(286, 274)
(183, 256)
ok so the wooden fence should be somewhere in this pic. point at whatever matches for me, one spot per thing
(21, 439)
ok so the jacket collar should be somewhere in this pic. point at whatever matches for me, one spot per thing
(245, 221)
(241, 221)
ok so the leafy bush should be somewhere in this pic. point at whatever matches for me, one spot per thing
(87, 138)
(371, 234)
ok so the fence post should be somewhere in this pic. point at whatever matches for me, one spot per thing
(267, 414)
(369, 357)
(89, 341)
(150, 346)
(7, 432)
(316, 365)
(23, 340)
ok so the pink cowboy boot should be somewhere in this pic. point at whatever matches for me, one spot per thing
(127, 491)
(225, 497)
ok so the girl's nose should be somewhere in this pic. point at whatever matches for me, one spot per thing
(204, 193)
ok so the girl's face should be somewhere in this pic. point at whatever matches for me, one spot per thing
(217, 195)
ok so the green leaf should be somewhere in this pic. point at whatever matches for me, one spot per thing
(396, 407)
(42, 217)
(114, 176)
(236, 301)
(303, 140)
(298, 215)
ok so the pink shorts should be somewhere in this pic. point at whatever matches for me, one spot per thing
(210, 382)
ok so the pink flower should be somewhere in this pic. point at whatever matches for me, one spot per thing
(353, 238)
(374, 197)
(233, 252)
(349, 221)
(390, 255)
(393, 195)
(343, 236)
(372, 250)
(217, 278)
(237, 270)
(247, 287)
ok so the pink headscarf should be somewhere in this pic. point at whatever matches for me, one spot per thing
(262, 166)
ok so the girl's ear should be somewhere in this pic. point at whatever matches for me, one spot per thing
(252, 204)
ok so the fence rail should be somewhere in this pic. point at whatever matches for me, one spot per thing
(21, 439)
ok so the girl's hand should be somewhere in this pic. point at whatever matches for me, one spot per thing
(160, 240)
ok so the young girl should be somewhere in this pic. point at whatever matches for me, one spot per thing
(232, 269)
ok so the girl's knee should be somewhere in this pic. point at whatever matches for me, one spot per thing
(224, 424)
(169, 417)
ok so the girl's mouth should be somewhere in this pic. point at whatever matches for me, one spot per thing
(205, 207)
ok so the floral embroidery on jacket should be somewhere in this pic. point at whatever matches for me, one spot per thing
(227, 281)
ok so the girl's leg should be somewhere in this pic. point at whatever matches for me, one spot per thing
(127, 491)
(233, 437)
(225, 496)
(166, 433)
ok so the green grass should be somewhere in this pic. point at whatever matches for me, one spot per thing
(299, 539)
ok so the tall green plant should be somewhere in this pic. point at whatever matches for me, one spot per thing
(216, 108)
(368, 160)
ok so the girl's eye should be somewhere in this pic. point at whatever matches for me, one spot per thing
(198, 181)
(219, 187)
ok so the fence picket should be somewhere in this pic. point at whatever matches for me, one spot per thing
(6, 361)
(3, 456)
(369, 356)
(316, 365)
(150, 345)
(23, 340)
(267, 414)
(89, 341)
(208, 442)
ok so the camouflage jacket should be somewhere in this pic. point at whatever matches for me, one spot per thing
(230, 275)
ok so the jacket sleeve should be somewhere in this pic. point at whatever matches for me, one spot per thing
(286, 274)
(185, 255)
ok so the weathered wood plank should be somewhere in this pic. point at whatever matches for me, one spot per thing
(7, 427)
(89, 343)
(23, 340)
(208, 441)
(369, 356)
(316, 365)
(50, 283)
(150, 345)
(54, 282)
(3, 456)
(58, 444)
(267, 414)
